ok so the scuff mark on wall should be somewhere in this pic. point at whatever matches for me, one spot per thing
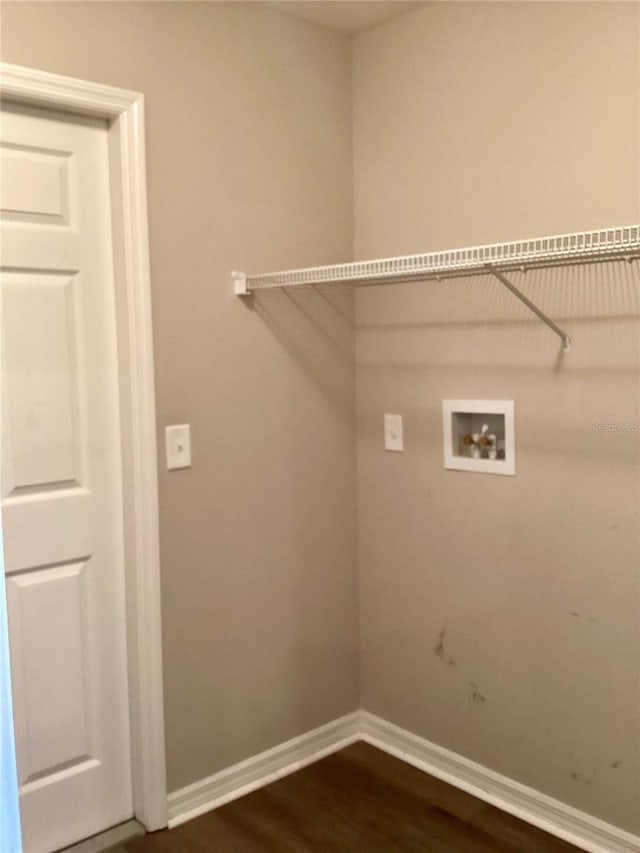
(578, 615)
(438, 649)
(476, 695)
(577, 778)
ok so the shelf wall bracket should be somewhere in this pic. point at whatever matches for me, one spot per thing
(240, 284)
(564, 337)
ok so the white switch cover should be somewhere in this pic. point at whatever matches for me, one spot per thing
(178, 445)
(393, 432)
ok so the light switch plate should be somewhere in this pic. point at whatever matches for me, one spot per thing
(178, 446)
(393, 439)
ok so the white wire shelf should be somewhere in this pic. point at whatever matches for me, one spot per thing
(607, 244)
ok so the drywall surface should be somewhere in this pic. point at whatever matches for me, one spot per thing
(249, 167)
(500, 614)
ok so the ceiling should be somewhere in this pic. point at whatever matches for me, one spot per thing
(345, 16)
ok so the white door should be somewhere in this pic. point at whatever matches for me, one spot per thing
(61, 479)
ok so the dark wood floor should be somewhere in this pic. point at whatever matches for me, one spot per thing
(359, 800)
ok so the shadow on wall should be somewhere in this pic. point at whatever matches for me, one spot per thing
(315, 326)
(476, 322)
(305, 538)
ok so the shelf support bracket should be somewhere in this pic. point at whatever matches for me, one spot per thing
(564, 337)
(240, 284)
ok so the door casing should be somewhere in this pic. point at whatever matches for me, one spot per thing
(124, 111)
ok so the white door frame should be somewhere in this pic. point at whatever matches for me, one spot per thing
(124, 111)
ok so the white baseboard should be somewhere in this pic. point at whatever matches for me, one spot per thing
(555, 817)
(262, 769)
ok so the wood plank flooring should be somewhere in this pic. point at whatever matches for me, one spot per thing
(359, 800)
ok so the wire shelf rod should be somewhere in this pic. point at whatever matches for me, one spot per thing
(564, 337)
(607, 244)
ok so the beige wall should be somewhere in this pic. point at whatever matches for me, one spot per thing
(249, 167)
(475, 123)
(472, 123)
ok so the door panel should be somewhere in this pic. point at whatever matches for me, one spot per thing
(45, 436)
(61, 481)
(49, 609)
(35, 185)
